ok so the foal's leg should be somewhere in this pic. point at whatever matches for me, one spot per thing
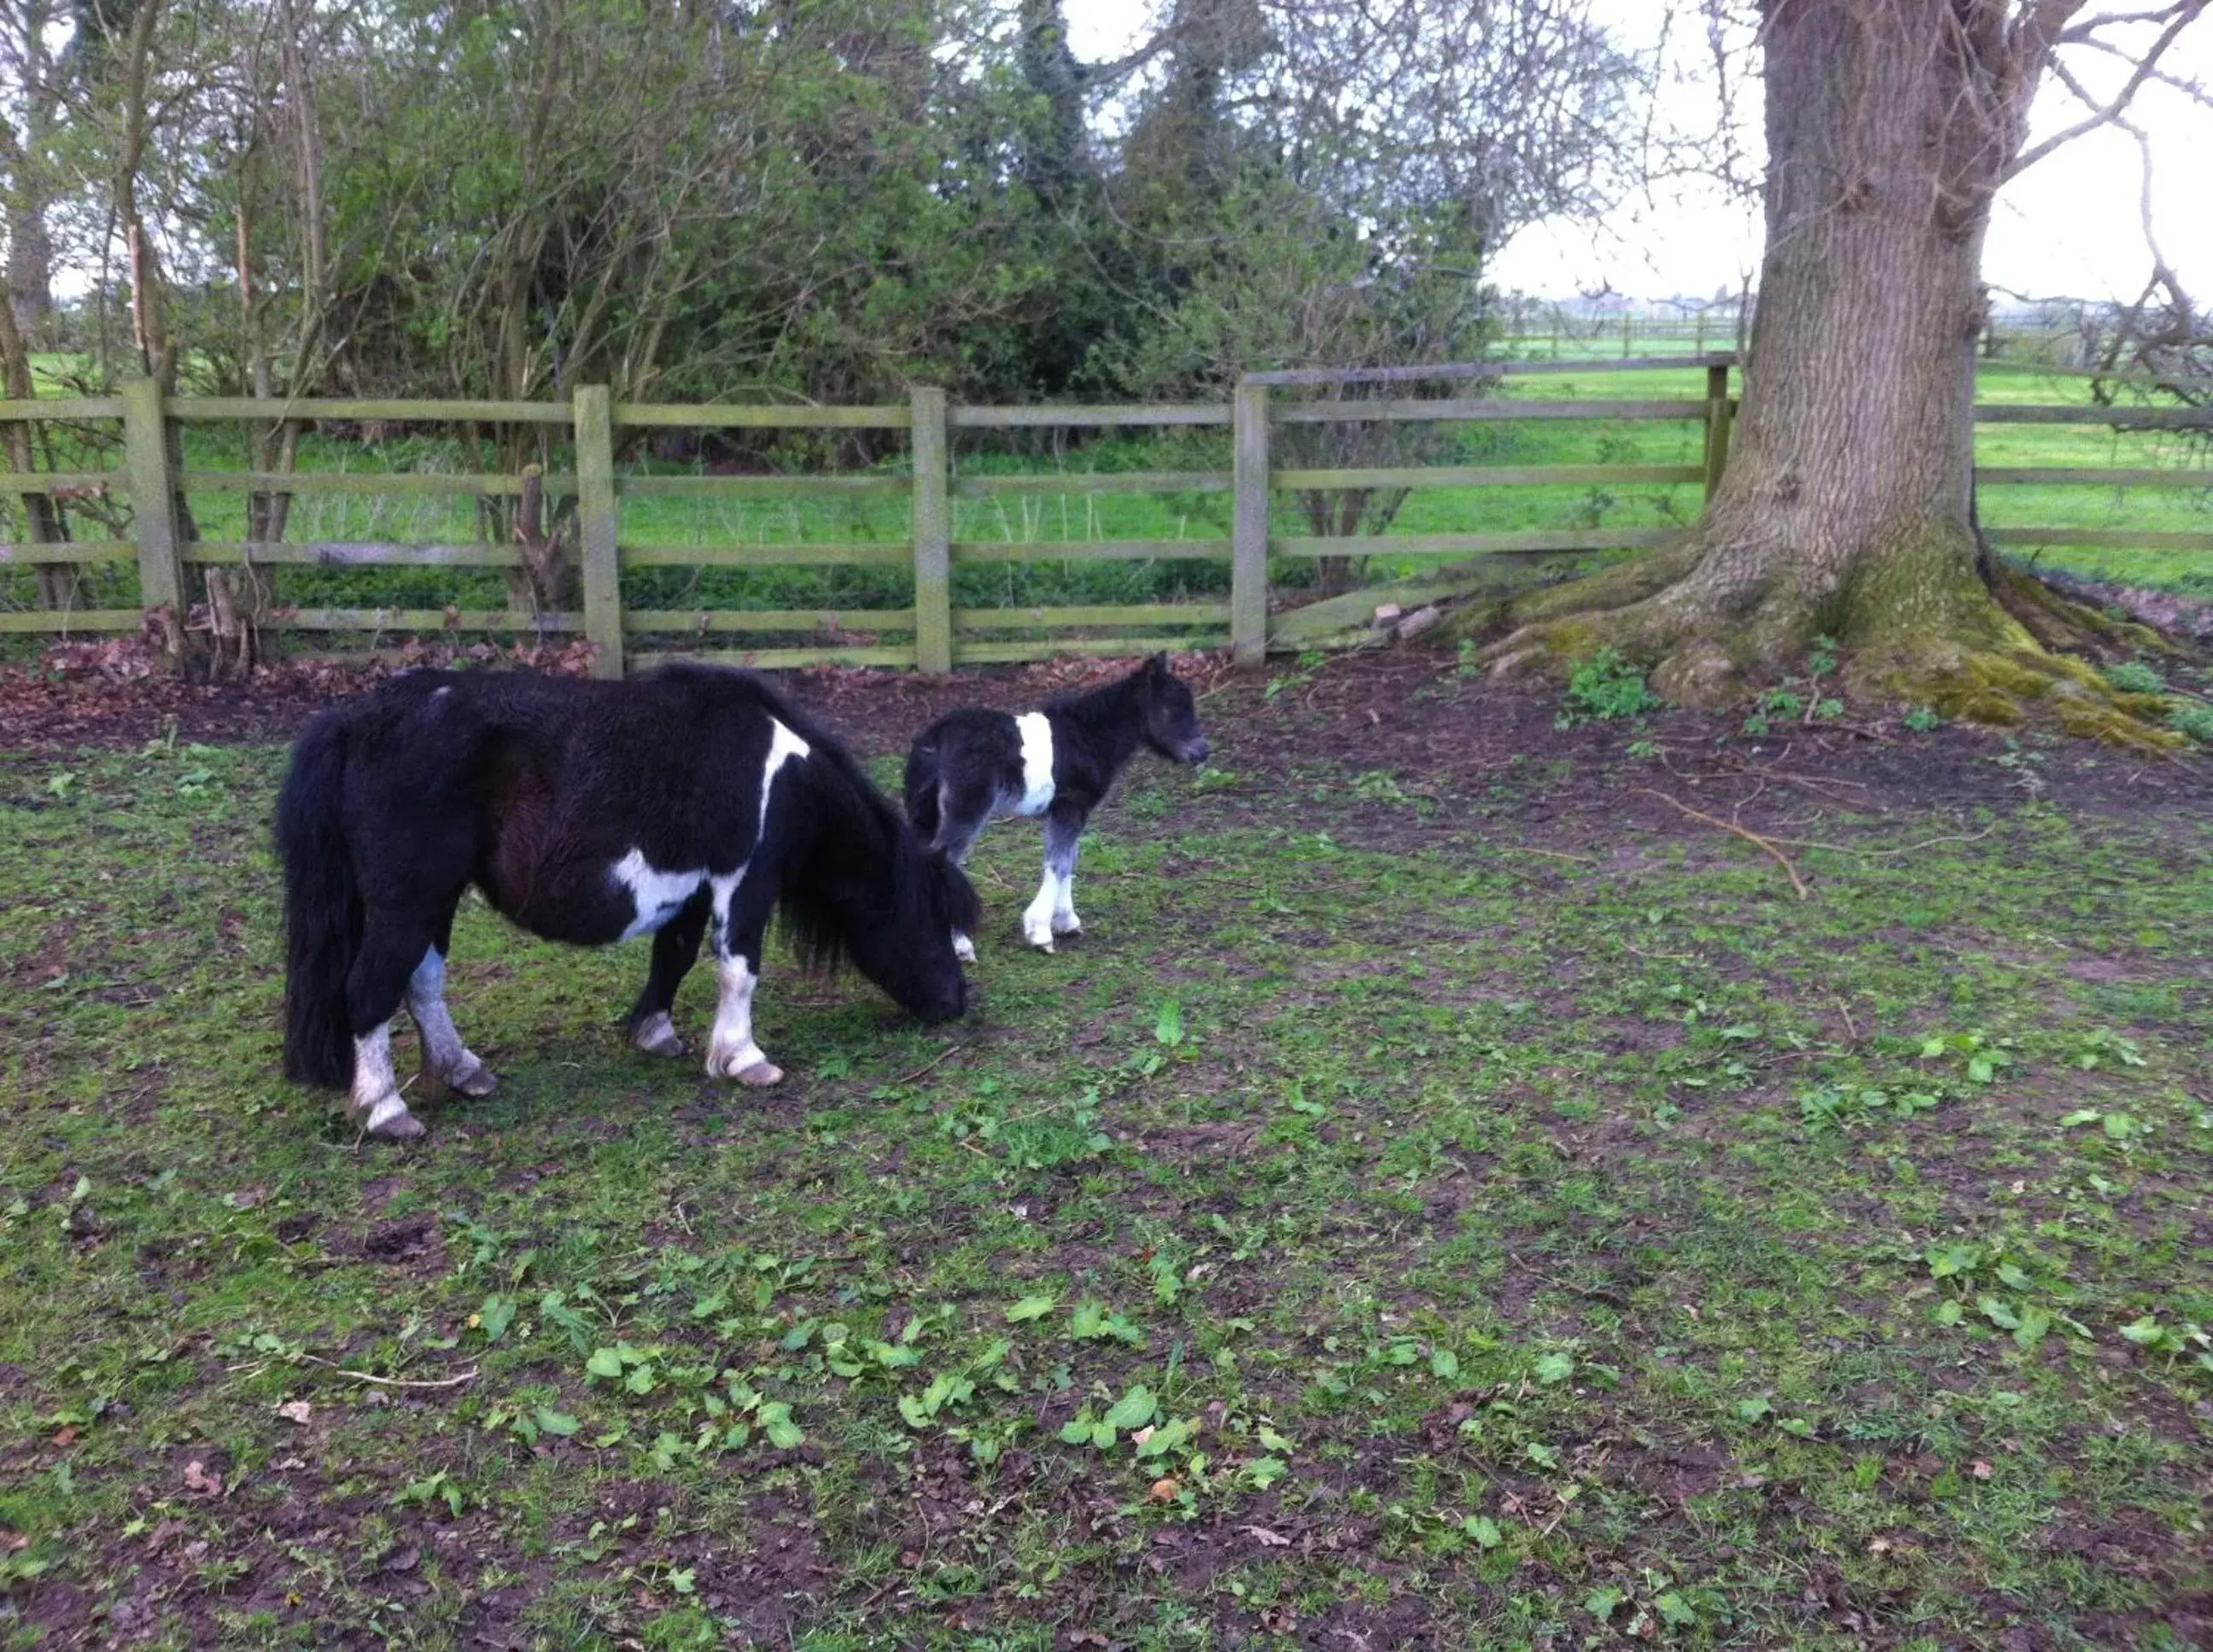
(962, 818)
(1053, 911)
(447, 1064)
(675, 949)
(741, 923)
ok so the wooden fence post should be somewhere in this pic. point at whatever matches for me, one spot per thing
(1248, 545)
(1717, 426)
(154, 513)
(933, 535)
(599, 521)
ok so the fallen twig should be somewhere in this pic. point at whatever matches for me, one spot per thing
(949, 1050)
(469, 1376)
(1765, 845)
(1552, 854)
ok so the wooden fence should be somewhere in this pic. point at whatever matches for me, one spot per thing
(939, 635)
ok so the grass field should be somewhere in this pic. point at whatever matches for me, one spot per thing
(1077, 517)
(1518, 1221)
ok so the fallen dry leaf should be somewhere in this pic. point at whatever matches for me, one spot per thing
(1164, 1490)
(297, 1411)
(199, 1482)
(1267, 1539)
(1980, 1470)
(66, 1437)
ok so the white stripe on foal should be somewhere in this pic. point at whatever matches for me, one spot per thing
(374, 1102)
(445, 1059)
(731, 1052)
(1036, 730)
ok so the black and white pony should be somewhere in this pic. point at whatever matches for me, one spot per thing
(972, 767)
(690, 802)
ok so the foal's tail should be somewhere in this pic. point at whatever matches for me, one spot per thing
(322, 909)
(922, 775)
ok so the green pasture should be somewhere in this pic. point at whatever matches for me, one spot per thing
(1422, 1209)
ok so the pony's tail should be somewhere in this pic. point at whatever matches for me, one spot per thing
(322, 909)
(922, 777)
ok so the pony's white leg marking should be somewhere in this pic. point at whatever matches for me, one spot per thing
(731, 1052)
(656, 1036)
(1036, 731)
(1060, 844)
(375, 1103)
(1037, 917)
(964, 948)
(445, 1059)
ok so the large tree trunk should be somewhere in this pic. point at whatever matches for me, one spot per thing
(1847, 508)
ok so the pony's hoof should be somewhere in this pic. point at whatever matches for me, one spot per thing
(1043, 943)
(658, 1038)
(390, 1121)
(1071, 925)
(474, 1081)
(747, 1065)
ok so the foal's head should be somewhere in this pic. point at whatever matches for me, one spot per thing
(1171, 715)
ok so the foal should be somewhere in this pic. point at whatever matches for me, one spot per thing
(689, 803)
(972, 767)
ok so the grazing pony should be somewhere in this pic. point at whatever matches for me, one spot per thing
(972, 767)
(689, 801)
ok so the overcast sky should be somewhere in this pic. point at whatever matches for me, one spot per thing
(2068, 226)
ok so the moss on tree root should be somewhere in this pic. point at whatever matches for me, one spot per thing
(2002, 653)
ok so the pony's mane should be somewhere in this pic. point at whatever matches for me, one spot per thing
(1083, 703)
(850, 804)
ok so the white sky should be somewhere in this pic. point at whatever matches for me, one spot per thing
(2069, 225)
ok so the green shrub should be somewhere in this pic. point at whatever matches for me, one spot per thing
(1605, 687)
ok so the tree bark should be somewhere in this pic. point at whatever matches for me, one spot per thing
(1847, 508)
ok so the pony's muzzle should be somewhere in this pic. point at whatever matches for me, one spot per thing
(1196, 752)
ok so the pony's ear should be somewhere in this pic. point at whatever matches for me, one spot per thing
(1158, 665)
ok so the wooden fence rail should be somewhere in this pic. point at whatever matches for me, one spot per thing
(932, 634)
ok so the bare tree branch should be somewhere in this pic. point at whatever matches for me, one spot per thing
(2180, 17)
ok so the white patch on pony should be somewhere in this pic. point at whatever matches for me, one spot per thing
(731, 1052)
(1065, 920)
(1036, 730)
(445, 1058)
(657, 896)
(783, 746)
(963, 948)
(374, 1102)
(726, 887)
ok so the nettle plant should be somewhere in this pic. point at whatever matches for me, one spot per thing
(1606, 688)
(1800, 699)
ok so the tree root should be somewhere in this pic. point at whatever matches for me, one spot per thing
(2000, 655)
